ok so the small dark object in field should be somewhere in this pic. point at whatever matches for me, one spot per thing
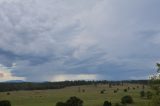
(117, 104)
(127, 100)
(134, 88)
(8, 93)
(5, 103)
(72, 101)
(60, 104)
(128, 88)
(137, 86)
(106, 103)
(110, 85)
(79, 89)
(143, 87)
(149, 95)
(142, 94)
(102, 92)
(115, 91)
(83, 90)
(125, 90)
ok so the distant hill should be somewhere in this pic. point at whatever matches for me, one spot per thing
(14, 81)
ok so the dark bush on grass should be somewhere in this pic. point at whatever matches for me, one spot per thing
(115, 91)
(60, 104)
(5, 103)
(127, 100)
(74, 101)
(8, 93)
(149, 95)
(106, 103)
(125, 90)
(142, 94)
(117, 104)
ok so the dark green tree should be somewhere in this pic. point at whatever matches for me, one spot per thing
(74, 101)
(126, 100)
(60, 104)
(107, 103)
(155, 85)
(142, 94)
(5, 103)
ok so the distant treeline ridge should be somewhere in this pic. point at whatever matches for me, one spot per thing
(14, 86)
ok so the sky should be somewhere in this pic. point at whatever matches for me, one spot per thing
(57, 40)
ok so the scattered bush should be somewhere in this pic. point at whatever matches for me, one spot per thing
(128, 88)
(60, 104)
(149, 95)
(127, 100)
(102, 91)
(143, 87)
(142, 94)
(8, 93)
(133, 88)
(5, 103)
(106, 103)
(115, 91)
(110, 85)
(125, 90)
(83, 90)
(117, 104)
(73, 101)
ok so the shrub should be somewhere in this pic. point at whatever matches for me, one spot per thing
(117, 104)
(125, 90)
(110, 85)
(60, 104)
(102, 91)
(149, 95)
(106, 103)
(115, 91)
(83, 90)
(8, 93)
(142, 94)
(74, 101)
(5, 103)
(143, 87)
(128, 88)
(127, 100)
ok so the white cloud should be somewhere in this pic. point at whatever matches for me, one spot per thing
(71, 77)
(6, 74)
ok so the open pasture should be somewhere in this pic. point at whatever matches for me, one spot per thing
(91, 95)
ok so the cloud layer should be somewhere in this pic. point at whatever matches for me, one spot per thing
(6, 74)
(94, 37)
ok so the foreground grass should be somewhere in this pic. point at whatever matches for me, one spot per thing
(91, 97)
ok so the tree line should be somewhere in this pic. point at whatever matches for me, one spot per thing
(12, 86)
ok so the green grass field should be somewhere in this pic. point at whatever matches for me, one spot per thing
(91, 97)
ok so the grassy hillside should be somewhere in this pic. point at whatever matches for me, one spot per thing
(91, 96)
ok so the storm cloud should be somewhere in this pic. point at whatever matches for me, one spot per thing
(93, 40)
